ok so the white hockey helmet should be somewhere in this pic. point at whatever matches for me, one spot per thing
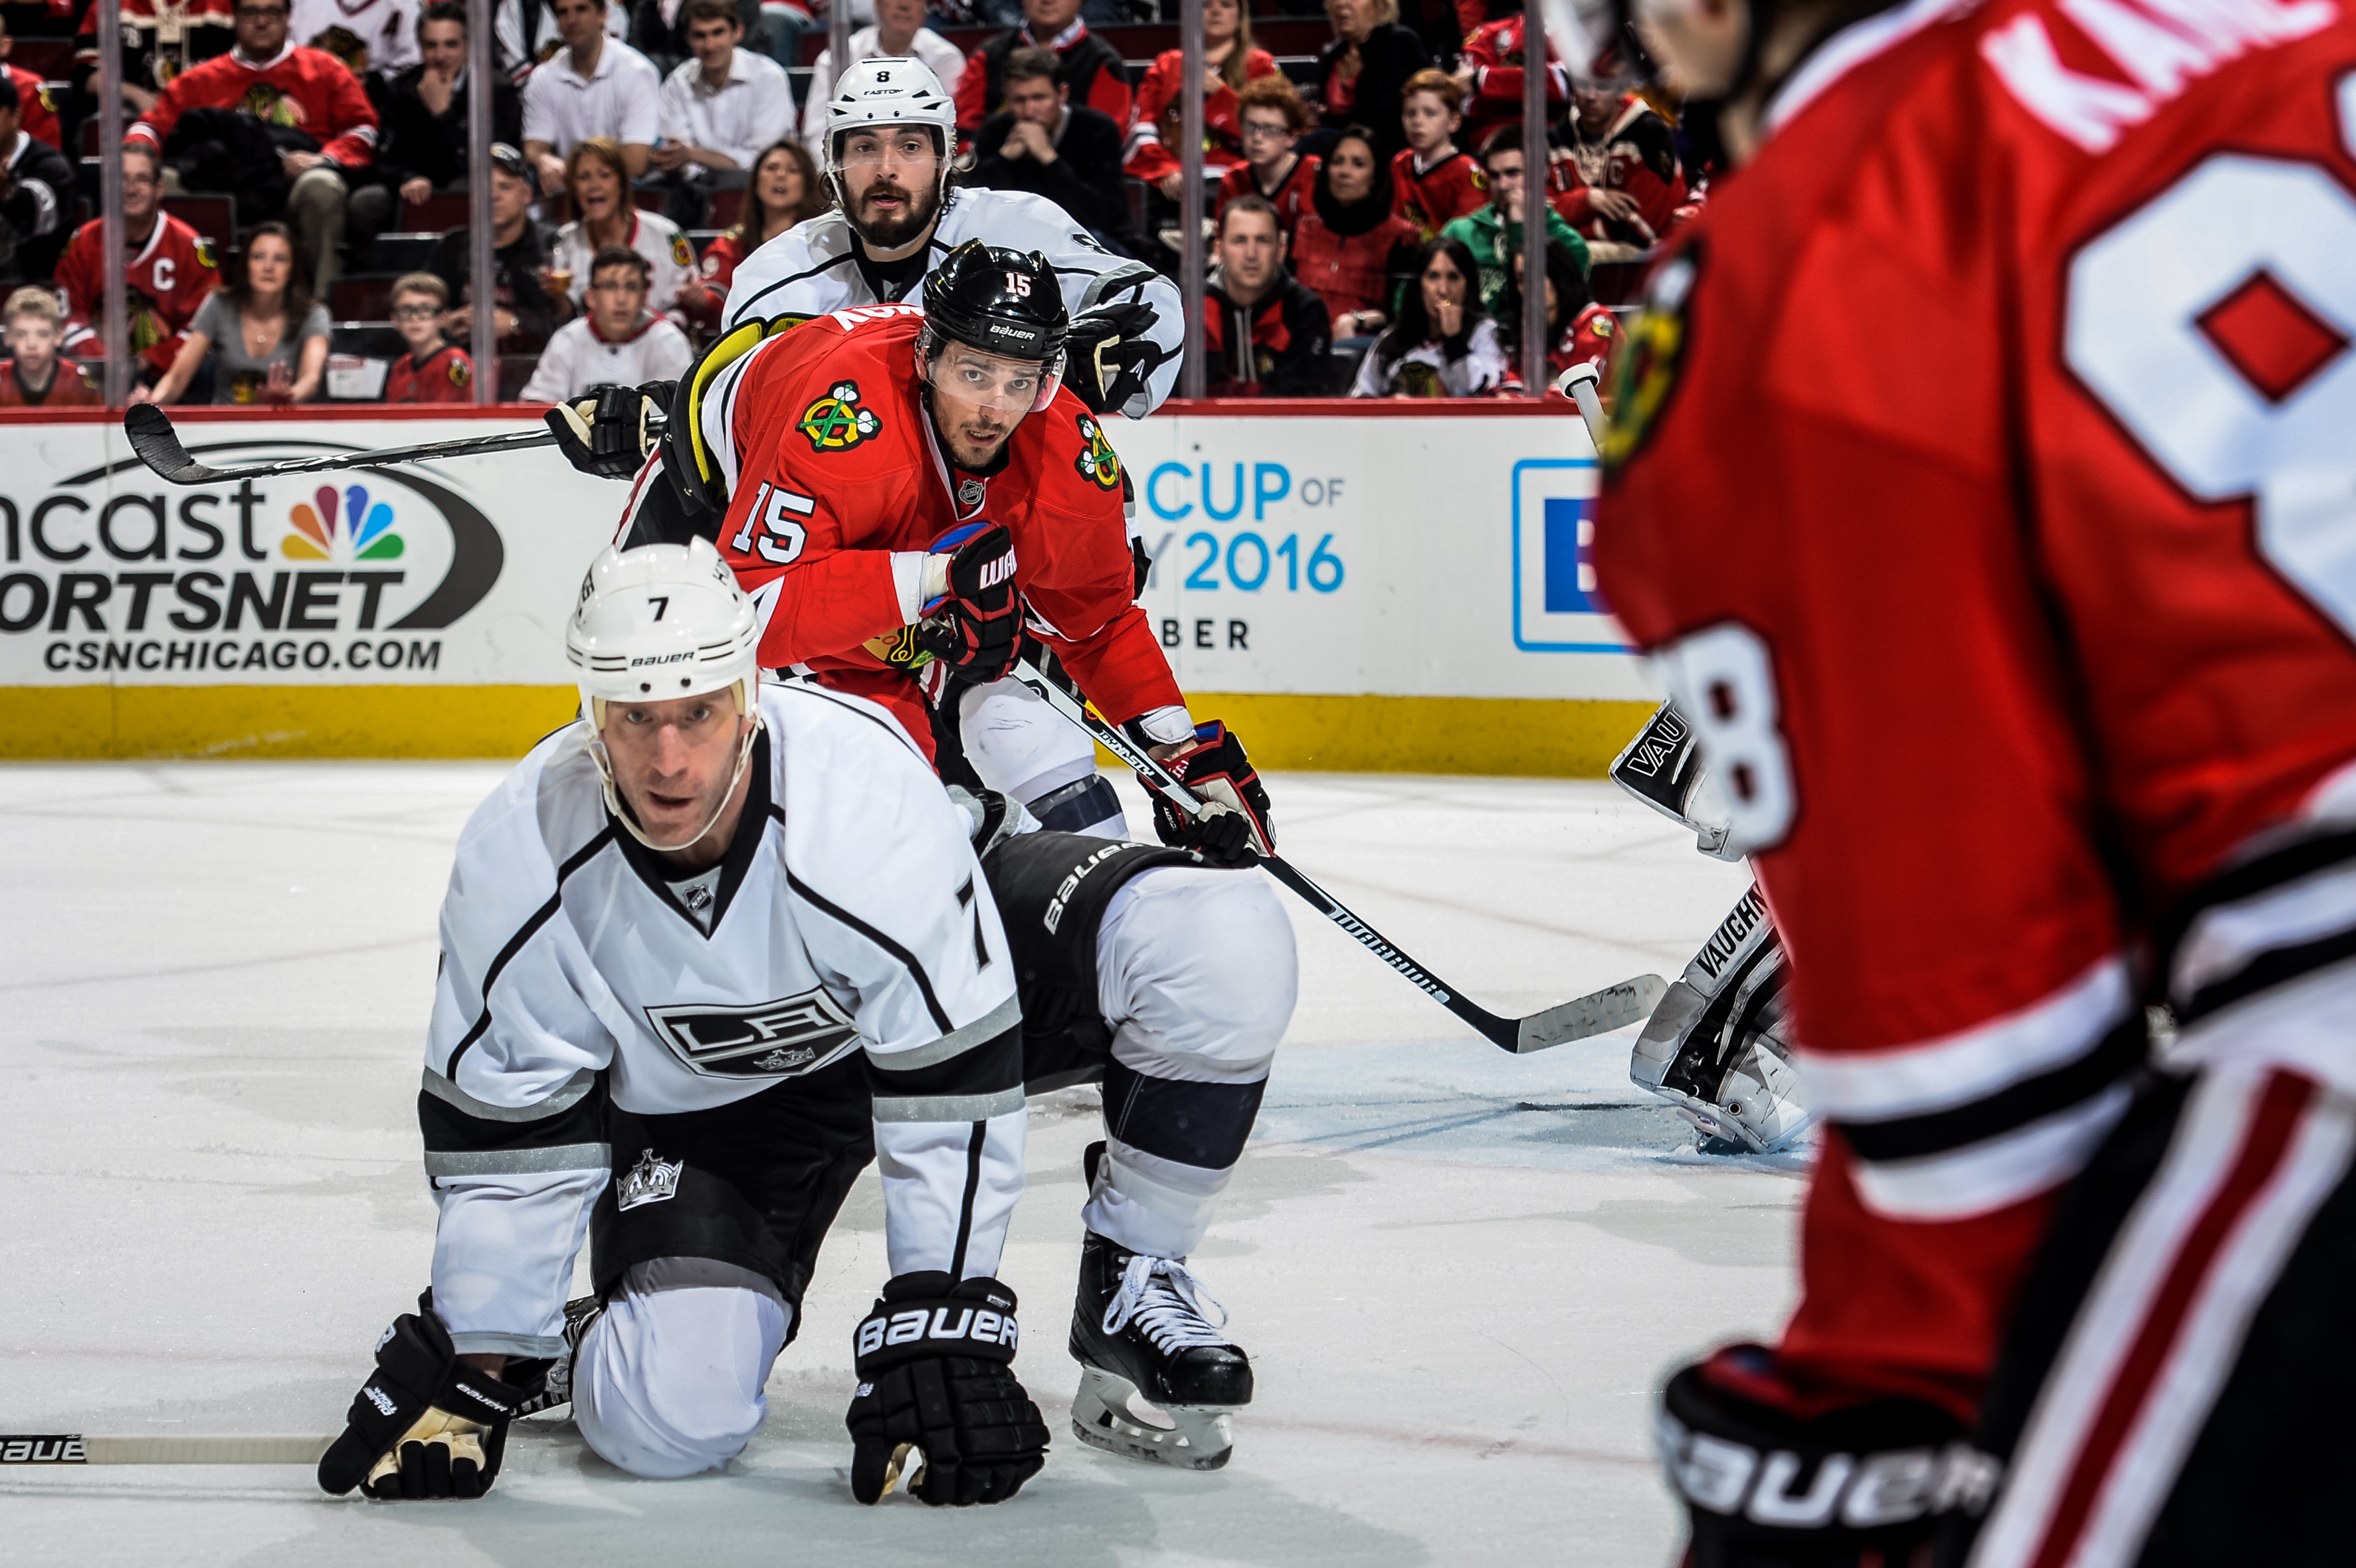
(887, 90)
(662, 621)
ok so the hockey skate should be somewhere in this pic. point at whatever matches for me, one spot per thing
(1138, 1332)
(548, 1385)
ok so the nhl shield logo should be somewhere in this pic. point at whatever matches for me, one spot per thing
(651, 1180)
(970, 494)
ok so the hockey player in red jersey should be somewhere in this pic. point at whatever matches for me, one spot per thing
(2015, 613)
(169, 271)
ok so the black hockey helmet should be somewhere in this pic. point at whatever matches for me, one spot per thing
(1001, 302)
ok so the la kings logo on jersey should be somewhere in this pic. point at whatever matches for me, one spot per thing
(785, 1038)
(652, 1180)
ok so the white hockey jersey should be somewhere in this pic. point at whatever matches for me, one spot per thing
(815, 267)
(850, 913)
(577, 358)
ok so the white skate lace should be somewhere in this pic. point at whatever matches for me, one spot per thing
(1167, 1302)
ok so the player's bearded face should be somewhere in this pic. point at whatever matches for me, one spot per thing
(674, 762)
(893, 179)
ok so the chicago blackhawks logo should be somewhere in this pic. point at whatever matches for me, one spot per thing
(1644, 369)
(836, 423)
(272, 107)
(1098, 462)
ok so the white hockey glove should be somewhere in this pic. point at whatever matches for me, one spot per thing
(1662, 767)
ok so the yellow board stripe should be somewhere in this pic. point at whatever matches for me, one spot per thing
(1531, 737)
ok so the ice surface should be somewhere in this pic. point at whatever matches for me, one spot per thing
(1460, 1273)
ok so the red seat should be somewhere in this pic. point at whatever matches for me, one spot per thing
(360, 296)
(725, 207)
(49, 59)
(437, 213)
(650, 199)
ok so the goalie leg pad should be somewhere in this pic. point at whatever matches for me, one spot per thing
(1715, 1046)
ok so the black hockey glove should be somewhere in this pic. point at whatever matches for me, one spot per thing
(425, 1425)
(1237, 828)
(973, 629)
(1111, 359)
(609, 434)
(1773, 1476)
(935, 1374)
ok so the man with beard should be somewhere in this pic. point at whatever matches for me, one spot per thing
(890, 132)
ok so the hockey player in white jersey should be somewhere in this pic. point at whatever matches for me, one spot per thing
(705, 955)
(890, 132)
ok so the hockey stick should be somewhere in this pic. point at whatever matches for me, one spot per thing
(1580, 382)
(154, 443)
(72, 1448)
(1597, 1013)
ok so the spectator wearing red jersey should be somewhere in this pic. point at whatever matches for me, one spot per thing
(1490, 69)
(33, 376)
(1091, 70)
(784, 191)
(1579, 331)
(168, 270)
(1350, 246)
(1620, 184)
(1230, 63)
(1433, 183)
(1264, 334)
(1362, 72)
(1271, 117)
(37, 112)
(432, 371)
(288, 89)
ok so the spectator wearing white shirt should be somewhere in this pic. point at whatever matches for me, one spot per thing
(718, 109)
(601, 195)
(619, 342)
(385, 29)
(593, 86)
(899, 33)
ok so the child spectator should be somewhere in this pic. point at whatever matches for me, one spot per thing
(1432, 182)
(34, 375)
(264, 79)
(1622, 184)
(899, 33)
(37, 112)
(1231, 64)
(1494, 232)
(1350, 246)
(619, 342)
(432, 371)
(1089, 68)
(1579, 331)
(784, 191)
(1492, 74)
(718, 109)
(596, 175)
(269, 342)
(167, 272)
(1362, 72)
(1263, 333)
(1043, 143)
(1271, 117)
(594, 87)
(525, 307)
(1443, 345)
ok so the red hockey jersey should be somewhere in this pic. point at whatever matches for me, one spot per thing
(36, 116)
(1431, 199)
(169, 280)
(303, 89)
(1294, 197)
(1637, 154)
(1982, 476)
(1147, 156)
(446, 376)
(836, 471)
(1494, 52)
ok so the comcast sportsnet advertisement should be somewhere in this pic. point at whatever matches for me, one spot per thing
(457, 572)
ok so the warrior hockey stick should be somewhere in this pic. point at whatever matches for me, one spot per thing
(72, 1448)
(1613, 1008)
(158, 445)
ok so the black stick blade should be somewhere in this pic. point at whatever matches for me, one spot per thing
(154, 443)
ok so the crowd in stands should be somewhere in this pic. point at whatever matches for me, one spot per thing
(1363, 203)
